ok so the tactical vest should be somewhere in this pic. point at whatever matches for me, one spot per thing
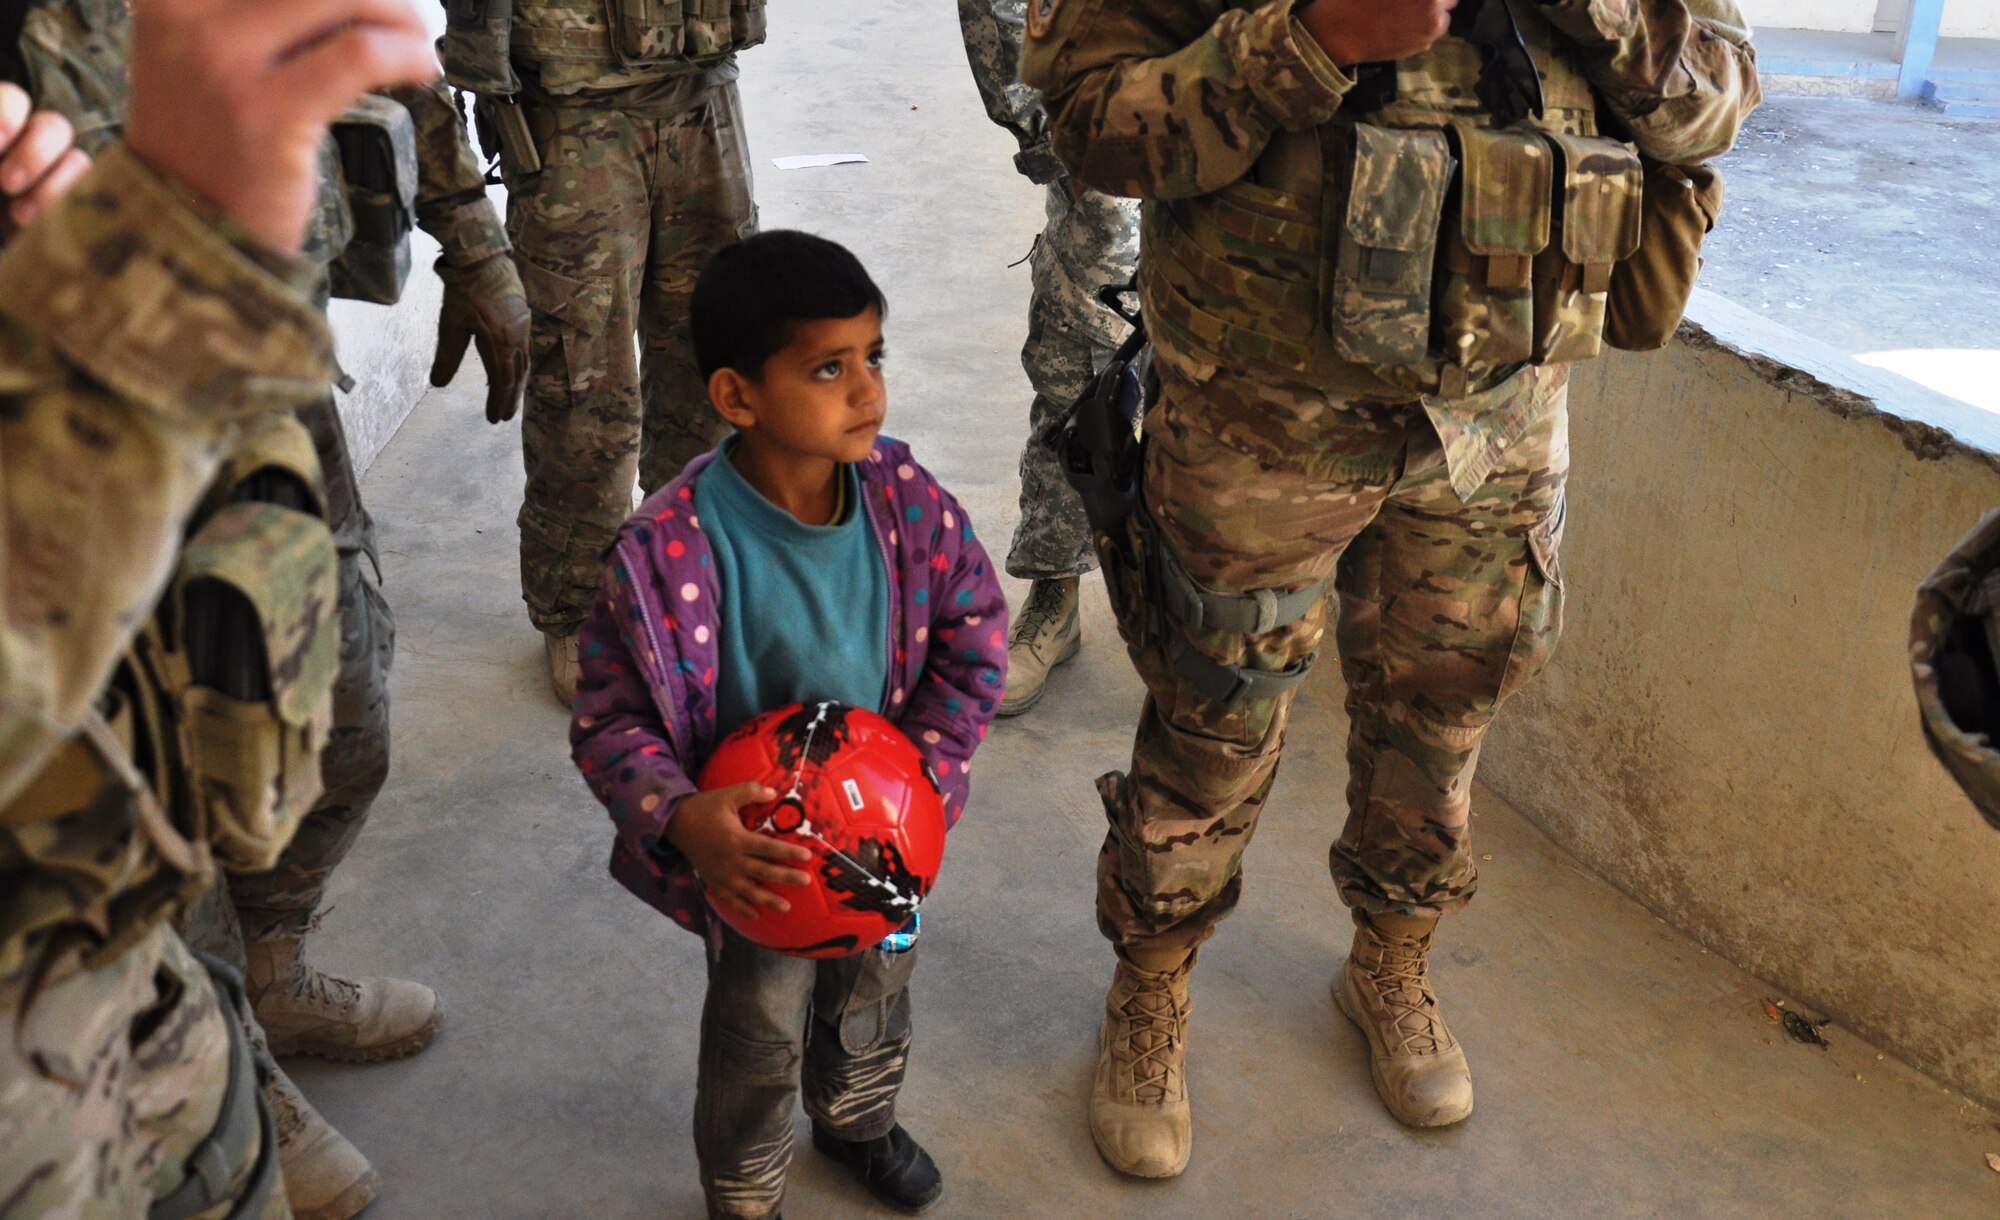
(204, 749)
(1421, 241)
(590, 43)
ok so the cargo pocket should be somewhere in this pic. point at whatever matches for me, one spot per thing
(565, 344)
(1541, 611)
(1381, 290)
(256, 595)
(1597, 202)
(873, 1013)
(1485, 300)
(647, 32)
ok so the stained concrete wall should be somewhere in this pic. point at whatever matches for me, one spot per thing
(1727, 731)
(387, 350)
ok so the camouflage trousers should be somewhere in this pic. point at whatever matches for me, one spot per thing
(609, 237)
(1446, 607)
(355, 763)
(840, 1027)
(110, 1079)
(1090, 241)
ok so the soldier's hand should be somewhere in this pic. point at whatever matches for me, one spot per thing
(231, 98)
(39, 159)
(484, 305)
(1375, 31)
(736, 865)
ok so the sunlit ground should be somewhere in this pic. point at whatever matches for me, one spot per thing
(1971, 375)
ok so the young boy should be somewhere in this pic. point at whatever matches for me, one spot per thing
(802, 559)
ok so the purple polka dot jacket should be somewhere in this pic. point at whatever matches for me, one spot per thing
(644, 719)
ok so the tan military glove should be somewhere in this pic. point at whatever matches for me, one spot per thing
(483, 304)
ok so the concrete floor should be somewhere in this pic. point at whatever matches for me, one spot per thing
(1622, 1071)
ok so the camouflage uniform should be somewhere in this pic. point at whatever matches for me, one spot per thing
(1330, 412)
(644, 171)
(1090, 240)
(135, 338)
(75, 52)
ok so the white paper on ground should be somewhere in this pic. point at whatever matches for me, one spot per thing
(815, 160)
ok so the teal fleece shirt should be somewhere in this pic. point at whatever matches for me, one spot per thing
(804, 608)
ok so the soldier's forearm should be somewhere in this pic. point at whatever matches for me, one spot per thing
(1139, 110)
(451, 188)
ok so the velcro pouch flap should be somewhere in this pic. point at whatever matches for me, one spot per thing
(1381, 293)
(1603, 185)
(646, 31)
(1506, 196)
(282, 562)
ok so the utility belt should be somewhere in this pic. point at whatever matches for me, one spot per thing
(204, 750)
(1101, 446)
(482, 36)
(244, 1122)
(1442, 256)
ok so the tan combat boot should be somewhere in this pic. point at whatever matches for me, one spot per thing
(1385, 989)
(1048, 633)
(326, 1177)
(305, 1012)
(563, 666)
(1139, 1112)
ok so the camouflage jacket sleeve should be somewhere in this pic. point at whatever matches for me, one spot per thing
(451, 190)
(992, 31)
(134, 333)
(1162, 100)
(1681, 74)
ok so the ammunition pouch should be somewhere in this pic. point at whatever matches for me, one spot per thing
(378, 166)
(245, 1121)
(1650, 290)
(505, 136)
(252, 665)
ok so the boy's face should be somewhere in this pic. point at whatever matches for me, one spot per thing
(820, 396)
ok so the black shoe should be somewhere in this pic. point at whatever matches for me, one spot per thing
(894, 1168)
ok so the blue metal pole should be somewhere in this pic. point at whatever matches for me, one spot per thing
(1918, 46)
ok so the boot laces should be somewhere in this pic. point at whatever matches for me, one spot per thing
(285, 1102)
(1401, 977)
(1045, 605)
(1154, 1021)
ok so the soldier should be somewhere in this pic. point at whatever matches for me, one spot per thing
(1373, 237)
(621, 141)
(74, 54)
(152, 323)
(1090, 241)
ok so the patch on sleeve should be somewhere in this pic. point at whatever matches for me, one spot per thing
(1041, 13)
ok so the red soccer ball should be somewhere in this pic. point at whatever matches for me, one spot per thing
(853, 791)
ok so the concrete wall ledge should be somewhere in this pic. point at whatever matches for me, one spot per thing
(1727, 731)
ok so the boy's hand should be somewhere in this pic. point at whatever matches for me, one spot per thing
(735, 864)
(38, 159)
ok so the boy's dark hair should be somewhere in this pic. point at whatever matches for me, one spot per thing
(751, 294)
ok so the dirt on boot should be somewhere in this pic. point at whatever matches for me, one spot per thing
(564, 667)
(1139, 1112)
(326, 1177)
(1384, 988)
(305, 1011)
(1048, 633)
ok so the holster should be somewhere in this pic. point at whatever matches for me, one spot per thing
(1098, 439)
